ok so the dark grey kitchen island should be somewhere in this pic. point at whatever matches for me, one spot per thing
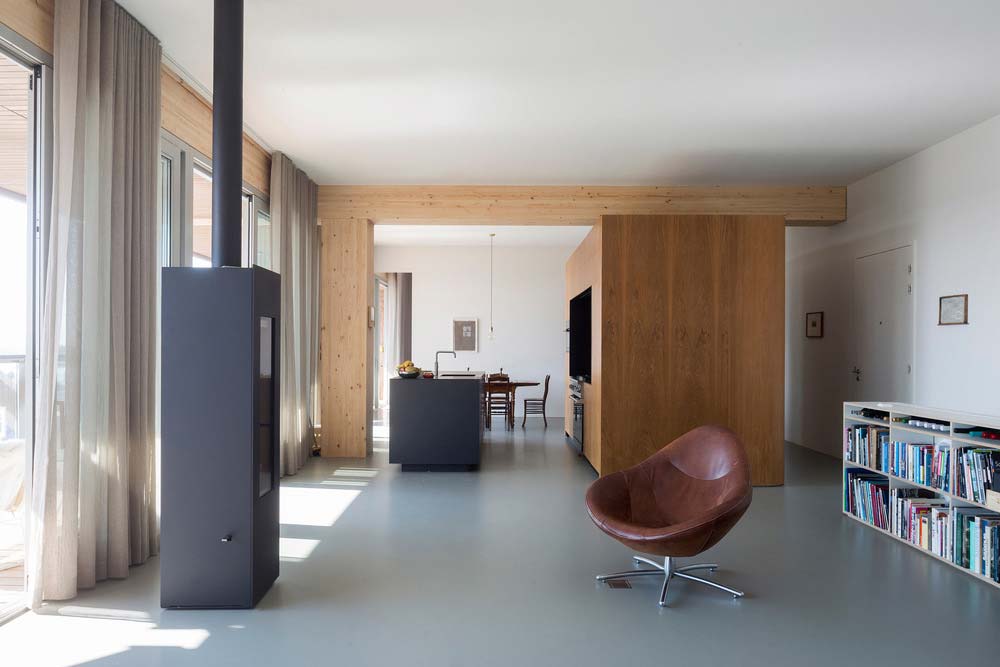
(436, 424)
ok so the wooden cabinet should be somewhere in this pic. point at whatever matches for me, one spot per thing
(583, 271)
(689, 330)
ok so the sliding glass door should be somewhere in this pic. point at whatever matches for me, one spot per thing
(22, 200)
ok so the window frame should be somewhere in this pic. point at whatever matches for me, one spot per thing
(182, 203)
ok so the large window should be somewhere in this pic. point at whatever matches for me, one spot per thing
(186, 211)
(265, 241)
(166, 209)
(246, 232)
(201, 217)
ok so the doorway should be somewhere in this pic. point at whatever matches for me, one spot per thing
(21, 192)
(883, 326)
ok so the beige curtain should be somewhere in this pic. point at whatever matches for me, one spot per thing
(293, 211)
(398, 322)
(401, 305)
(93, 504)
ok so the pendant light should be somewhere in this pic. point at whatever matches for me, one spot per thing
(492, 334)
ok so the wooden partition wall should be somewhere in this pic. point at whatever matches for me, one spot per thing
(691, 332)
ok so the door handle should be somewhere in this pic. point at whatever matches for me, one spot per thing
(857, 373)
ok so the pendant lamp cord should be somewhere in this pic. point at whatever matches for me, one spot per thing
(491, 282)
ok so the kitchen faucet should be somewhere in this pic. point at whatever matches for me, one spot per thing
(451, 352)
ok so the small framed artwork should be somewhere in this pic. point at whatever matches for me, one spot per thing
(814, 325)
(953, 309)
(465, 334)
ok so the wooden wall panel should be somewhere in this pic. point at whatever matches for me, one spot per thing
(188, 116)
(573, 205)
(345, 339)
(583, 270)
(32, 19)
(693, 333)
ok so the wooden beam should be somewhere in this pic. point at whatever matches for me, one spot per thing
(573, 205)
(346, 270)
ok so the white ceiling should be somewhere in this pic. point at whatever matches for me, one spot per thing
(469, 235)
(599, 92)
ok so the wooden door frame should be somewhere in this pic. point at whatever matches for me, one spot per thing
(357, 208)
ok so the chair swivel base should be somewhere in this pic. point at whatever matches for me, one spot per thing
(668, 571)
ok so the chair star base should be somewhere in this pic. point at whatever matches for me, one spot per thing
(668, 571)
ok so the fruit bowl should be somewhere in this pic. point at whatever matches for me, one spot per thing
(409, 374)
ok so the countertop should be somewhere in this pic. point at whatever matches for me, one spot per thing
(448, 375)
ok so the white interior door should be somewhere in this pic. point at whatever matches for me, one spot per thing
(883, 326)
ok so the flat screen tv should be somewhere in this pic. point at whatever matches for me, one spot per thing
(579, 335)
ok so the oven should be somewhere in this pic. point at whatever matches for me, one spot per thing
(576, 397)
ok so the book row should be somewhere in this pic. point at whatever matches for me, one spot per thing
(978, 473)
(967, 536)
(927, 464)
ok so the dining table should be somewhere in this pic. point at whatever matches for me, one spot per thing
(502, 386)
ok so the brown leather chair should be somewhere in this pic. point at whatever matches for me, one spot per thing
(677, 503)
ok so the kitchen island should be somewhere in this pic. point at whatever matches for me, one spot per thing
(436, 424)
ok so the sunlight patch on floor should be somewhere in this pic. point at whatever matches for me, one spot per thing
(304, 506)
(80, 640)
(344, 482)
(355, 472)
(295, 549)
(107, 614)
(187, 638)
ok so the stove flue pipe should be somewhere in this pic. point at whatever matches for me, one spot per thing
(227, 134)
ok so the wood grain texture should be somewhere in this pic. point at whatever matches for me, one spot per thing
(188, 116)
(583, 270)
(573, 205)
(693, 333)
(31, 19)
(346, 270)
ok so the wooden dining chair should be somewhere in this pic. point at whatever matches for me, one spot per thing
(536, 406)
(498, 401)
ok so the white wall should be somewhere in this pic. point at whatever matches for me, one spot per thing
(528, 309)
(945, 201)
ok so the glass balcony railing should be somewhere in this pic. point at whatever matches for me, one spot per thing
(14, 385)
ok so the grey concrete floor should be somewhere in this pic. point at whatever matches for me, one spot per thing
(496, 567)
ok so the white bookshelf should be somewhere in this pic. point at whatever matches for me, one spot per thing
(903, 432)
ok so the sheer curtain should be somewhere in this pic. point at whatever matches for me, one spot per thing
(399, 318)
(293, 211)
(398, 322)
(93, 503)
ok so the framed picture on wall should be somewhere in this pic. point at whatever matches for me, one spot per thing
(814, 325)
(465, 334)
(953, 309)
